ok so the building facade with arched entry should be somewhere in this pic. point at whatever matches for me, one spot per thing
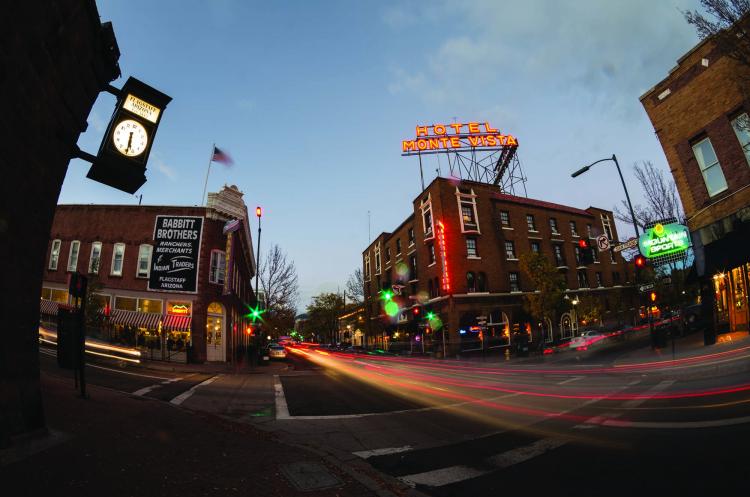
(457, 257)
(175, 282)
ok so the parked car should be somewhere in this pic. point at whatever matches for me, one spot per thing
(586, 339)
(276, 351)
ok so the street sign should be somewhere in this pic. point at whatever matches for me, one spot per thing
(633, 242)
(645, 288)
(602, 242)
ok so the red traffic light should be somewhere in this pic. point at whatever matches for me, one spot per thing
(416, 311)
(653, 296)
(640, 261)
(583, 243)
(249, 330)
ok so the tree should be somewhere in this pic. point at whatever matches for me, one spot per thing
(662, 201)
(721, 24)
(355, 287)
(548, 300)
(589, 309)
(278, 279)
(323, 314)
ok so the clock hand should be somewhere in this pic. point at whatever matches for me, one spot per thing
(130, 140)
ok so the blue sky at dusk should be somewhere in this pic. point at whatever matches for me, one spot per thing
(312, 100)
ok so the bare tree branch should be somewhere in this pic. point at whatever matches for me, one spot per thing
(278, 278)
(355, 286)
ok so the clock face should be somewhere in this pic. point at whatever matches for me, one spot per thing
(130, 138)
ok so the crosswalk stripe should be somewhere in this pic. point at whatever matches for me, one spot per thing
(521, 454)
(443, 476)
(364, 454)
(186, 395)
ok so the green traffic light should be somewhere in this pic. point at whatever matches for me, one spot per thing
(387, 295)
(430, 315)
(255, 313)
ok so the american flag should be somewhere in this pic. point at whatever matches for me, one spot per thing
(222, 157)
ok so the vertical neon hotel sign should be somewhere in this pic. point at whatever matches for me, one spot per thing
(446, 284)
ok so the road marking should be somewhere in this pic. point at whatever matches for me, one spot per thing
(282, 409)
(570, 380)
(677, 425)
(603, 419)
(186, 395)
(364, 454)
(455, 474)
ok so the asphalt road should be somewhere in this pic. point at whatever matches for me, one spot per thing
(581, 423)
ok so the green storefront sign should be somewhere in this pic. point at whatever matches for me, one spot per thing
(664, 239)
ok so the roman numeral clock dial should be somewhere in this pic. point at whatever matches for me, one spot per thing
(130, 138)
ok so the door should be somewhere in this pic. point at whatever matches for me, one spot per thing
(215, 333)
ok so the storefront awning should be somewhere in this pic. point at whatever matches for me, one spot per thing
(136, 319)
(177, 323)
(728, 252)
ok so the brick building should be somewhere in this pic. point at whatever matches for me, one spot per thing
(457, 255)
(700, 115)
(196, 320)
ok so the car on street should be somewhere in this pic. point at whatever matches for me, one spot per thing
(276, 351)
(586, 339)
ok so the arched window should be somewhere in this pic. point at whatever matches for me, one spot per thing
(481, 282)
(470, 282)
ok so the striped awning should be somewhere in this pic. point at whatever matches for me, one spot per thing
(177, 323)
(136, 319)
(48, 307)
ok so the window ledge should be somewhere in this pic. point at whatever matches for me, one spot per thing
(430, 265)
(473, 257)
(597, 262)
(512, 259)
(562, 267)
(516, 291)
(533, 231)
(507, 228)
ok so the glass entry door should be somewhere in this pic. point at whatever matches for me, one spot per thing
(215, 324)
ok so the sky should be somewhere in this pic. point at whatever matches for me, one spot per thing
(312, 100)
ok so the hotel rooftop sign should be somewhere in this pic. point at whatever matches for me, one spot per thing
(455, 137)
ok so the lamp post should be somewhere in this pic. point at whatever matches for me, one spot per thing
(258, 213)
(614, 159)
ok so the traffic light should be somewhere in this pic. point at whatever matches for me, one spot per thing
(586, 251)
(416, 311)
(387, 294)
(640, 261)
(653, 297)
(249, 330)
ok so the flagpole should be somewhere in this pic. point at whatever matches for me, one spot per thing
(208, 170)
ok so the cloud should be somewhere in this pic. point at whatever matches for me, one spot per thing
(166, 170)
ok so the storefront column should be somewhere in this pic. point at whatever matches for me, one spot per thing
(708, 304)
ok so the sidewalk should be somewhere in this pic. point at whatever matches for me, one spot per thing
(118, 445)
(685, 347)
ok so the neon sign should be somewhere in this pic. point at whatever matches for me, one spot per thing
(664, 239)
(178, 309)
(457, 136)
(446, 282)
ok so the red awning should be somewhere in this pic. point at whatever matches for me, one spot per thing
(177, 323)
(136, 319)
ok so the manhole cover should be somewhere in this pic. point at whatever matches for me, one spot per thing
(306, 476)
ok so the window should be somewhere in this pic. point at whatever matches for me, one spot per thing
(150, 306)
(470, 283)
(144, 261)
(54, 255)
(536, 247)
(126, 303)
(583, 280)
(95, 258)
(218, 267)
(589, 231)
(413, 265)
(398, 246)
(367, 267)
(467, 206)
(553, 226)
(559, 259)
(118, 254)
(741, 125)
(595, 253)
(388, 254)
(75, 247)
(505, 219)
(515, 286)
(411, 236)
(573, 230)
(612, 256)
(599, 280)
(471, 247)
(377, 258)
(481, 282)
(427, 216)
(577, 252)
(616, 277)
(530, 222)
(710, 168)
(607, 226)
(510, 250)
(431, 250)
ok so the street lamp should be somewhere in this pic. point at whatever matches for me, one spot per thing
(614, 159)
(258, 213)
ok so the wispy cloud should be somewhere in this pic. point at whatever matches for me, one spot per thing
(165, 169)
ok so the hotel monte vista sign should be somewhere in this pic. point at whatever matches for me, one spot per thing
(176, 253)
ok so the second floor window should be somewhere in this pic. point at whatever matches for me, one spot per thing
(583, 279)
(573, 229)
(530, 222)
(741, 125)
(510, 250)
(559, 259)
(144, 261)
(505, 219)
(218, 267)
(471, 247)
(710, 168)
(95, 258)
(515, 285)
(577, 252)
(118, 255)
(553, 225)
(75, 247)
(54, 255)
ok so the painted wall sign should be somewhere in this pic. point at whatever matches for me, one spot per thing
(664, 239)
(177, 246)
(457, 136)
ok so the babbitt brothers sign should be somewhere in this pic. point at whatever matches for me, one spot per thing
(177, 247)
